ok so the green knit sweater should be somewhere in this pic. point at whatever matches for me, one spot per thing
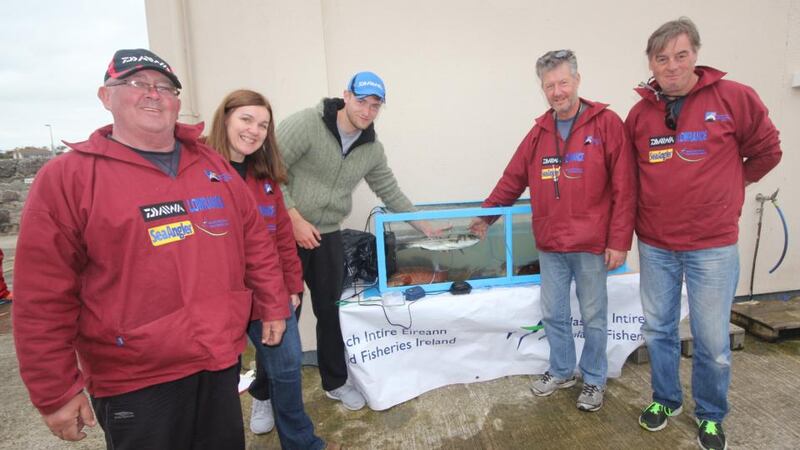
(321, 179)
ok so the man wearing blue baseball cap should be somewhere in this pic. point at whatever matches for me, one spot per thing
(328, 150)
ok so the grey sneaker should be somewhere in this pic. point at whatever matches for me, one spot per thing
(591, 398)
(349, 396)
(261, 418)
(548, 384)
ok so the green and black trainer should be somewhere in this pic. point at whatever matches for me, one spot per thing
(655, 416)
(710, 435)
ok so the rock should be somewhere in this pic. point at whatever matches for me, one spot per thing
(10, 196)
(8, 168)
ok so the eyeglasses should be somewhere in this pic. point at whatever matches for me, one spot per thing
(162, 89)
(562, 54)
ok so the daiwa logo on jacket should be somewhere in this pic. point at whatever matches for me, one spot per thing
(162, 210)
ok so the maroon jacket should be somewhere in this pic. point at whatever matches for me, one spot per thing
(597, 183)
(148, 278)
(269, 198)
(691, 180)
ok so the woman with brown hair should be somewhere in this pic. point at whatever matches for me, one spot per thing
(243, 132)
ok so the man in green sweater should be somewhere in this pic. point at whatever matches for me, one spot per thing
(328, 150)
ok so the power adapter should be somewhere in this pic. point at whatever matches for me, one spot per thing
(414, 293)
(460, 288)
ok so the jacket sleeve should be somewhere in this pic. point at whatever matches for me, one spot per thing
(287, 248)
(515, 177)
(50, 257)
(293, 144)
(622, 172)
(263, 272)
(758, 138)
(383, 183)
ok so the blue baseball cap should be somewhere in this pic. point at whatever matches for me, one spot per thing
(364, 84)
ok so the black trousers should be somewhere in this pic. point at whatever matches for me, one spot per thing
(323, 272)
(199, 412)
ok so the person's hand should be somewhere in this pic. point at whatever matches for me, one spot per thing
(272, 331)
(614, 258)
(295, 300)
(67, 423)
(479, 227)
(306, 235)
(428, 229)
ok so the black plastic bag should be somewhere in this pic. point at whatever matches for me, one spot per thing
(360, 257)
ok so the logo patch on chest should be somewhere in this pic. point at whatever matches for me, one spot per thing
(659, 156)
(162, 210)
(171, 232)
(548, 173)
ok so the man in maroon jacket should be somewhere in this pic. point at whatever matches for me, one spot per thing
(579, 167)
(699, 140)
(140, 261)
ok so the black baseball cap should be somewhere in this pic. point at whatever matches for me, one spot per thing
(127, 62)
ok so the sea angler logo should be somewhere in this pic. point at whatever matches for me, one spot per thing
(659, 156)
(550, 173)
(171, 232)
(162, 210)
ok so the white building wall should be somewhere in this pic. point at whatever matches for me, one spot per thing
(461, 85)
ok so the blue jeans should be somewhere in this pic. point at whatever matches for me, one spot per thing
(589, 272)
(711, 278)
(283, 363)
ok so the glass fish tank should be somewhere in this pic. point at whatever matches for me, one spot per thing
(506, 254)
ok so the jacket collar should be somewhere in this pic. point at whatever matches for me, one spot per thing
(707, 76)
(330, 108)
(99, 144)
(588, 111)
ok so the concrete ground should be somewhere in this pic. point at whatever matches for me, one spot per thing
(498, 414)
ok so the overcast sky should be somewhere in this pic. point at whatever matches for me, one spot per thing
(54, 55)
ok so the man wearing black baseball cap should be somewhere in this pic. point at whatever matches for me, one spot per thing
(137, 255)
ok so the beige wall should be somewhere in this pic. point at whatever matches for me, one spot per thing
(462, 90)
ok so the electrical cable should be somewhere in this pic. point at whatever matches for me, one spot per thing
(785, 235)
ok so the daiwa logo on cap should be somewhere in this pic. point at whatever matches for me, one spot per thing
(364, 84)
(126, 62)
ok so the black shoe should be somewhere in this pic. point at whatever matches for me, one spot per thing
(710, 435)
(655, 416)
